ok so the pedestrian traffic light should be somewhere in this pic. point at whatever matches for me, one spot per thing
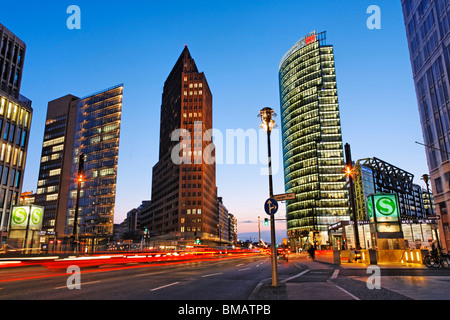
(266, 221)
(197, 241)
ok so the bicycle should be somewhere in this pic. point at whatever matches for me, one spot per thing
(436, 260)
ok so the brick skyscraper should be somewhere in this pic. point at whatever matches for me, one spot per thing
(184, 195)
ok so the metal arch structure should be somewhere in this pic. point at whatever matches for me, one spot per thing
(392, 177)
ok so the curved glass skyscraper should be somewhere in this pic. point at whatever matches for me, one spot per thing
(313, 153)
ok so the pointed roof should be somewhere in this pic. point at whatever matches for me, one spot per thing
(185, 63)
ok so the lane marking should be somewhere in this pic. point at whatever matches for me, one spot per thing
(296, 276)
(82, 284)
(244, 269)
(149, 274)
(335, 274)
(212, 274)
(167, 285)
(342, 289)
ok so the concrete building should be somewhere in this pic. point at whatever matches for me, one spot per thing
(184, 192)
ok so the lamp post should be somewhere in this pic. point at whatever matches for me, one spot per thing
(77, 204)
(266, 115)
(349, 172)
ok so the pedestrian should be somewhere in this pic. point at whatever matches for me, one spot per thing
(311, 252)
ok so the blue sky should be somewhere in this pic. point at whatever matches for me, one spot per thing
(238, 44)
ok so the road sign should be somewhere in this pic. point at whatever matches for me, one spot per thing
(438, 217)
(271, 206)
(283, 197)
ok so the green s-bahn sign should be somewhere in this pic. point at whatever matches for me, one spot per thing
(383, 207)
(24, 217)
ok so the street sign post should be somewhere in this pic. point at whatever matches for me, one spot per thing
(284, 197)
(271, 206)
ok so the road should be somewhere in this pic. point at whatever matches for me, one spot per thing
(222, 279)
(215, 279)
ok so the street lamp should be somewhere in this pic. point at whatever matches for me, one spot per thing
(349, 173)
(77, 204)
(268, 124)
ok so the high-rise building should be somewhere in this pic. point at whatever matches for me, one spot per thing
(428, 34)
(313, 154)
(75, 126)
(54, 178)
(15, 124)
(184, 192)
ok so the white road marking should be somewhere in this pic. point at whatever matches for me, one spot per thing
(212, 274)
(82, 284)
(167, 285)
(335, 274)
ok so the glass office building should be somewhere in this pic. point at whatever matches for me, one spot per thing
(313, 154)
(427, 24)
(97, 137)
(15, 124)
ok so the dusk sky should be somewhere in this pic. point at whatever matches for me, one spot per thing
(238, 45)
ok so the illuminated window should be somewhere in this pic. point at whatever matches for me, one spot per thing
(53, 142)
(55, 172)
(58, 148)
(2, 154)
(2, 105)
(52, 197)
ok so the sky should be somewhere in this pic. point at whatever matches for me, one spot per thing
(238, 45)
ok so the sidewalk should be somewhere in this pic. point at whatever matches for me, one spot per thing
(316, 290)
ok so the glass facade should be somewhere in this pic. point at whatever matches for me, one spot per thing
(427, 24)
(15, 124)
(97, 137)
(313, 155)
(373, 175)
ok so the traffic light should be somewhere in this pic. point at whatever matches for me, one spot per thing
(197, 241)
(266, 221)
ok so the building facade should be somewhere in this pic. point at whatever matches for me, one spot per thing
(313, 153)
(375, 176)
(15, 124)
(54, 178)
(184, 192)
(428, 34)
(75, 126)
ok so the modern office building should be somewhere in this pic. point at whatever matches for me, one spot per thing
(15, 124)
(184, 192)
(375, 176)
(54, 178)
(75, 126)
(428, 34)
(313, 154)
(223, 224)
